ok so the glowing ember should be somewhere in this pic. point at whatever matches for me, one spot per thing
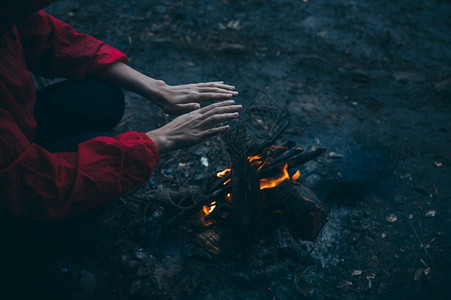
(229, 197)
(208, 209)
(227, 181)
(296, 175)
(256, 161)
(252, 158)
(222, 173)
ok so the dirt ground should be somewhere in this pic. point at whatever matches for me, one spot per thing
(368, 80)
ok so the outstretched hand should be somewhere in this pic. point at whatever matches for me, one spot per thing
(173, 99)
(180, 99)
(194, 127)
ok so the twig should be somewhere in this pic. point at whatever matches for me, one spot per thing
(419, 239)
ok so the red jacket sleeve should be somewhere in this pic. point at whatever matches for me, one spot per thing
(43, 185)
(38, 184)
(53, 49)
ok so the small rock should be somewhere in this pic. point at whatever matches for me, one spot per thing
(430, 214)
(204, 161)
(438, 164)
(140, 254)
(344, 283)
(391, 218)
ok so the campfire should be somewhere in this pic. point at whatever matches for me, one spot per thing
(259, 190)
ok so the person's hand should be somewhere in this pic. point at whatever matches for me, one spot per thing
(174, 100)
(194, 127)
(180, 99)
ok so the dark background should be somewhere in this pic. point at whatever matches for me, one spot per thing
(368, 80)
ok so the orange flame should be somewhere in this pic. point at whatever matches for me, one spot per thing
(209, 208)
(266, 183)
(266, 162)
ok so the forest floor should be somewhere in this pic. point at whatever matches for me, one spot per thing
(368, 80)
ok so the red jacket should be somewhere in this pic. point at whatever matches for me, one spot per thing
(35, 183)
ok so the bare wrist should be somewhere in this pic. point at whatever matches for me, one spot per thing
(160, 140)
(155, 90)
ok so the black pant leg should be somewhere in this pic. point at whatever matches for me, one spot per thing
(72, 108)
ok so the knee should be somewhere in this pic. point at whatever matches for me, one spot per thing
(115, 99)
(113, 103)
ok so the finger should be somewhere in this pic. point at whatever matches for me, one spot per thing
(219, 84)
(206, 97)
(215, 131)
(207, 108)
(214, 89)
(214, 96)
(216, 84)
(219, 118)
(222, 110)
(192, 95)
(185, 108)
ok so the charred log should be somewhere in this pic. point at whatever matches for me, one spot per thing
(292, 161)
(304, 214)
(247, 200)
